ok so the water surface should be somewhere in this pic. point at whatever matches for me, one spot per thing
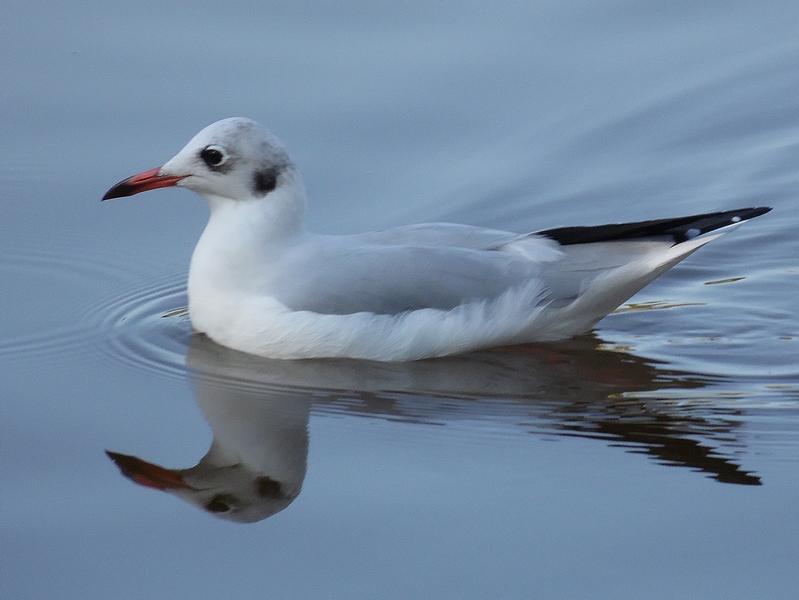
(656, 457)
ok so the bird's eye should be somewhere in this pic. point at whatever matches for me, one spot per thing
(217, 504)
(213, 156)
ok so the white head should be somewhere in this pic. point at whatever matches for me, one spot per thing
(232, 159)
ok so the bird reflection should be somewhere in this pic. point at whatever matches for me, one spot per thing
(256, 463)
(258, 410)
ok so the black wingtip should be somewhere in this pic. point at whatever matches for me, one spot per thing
(756, 212)
(701, 224)
(680, 229)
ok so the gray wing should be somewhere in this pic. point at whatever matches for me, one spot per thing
(438, 234)
(384, 279)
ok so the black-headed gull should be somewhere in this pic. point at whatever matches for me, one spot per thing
(259, 282)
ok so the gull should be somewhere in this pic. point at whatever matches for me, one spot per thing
(261, 283)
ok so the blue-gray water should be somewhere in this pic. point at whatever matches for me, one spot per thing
(655, 458)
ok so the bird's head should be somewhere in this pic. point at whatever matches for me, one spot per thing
(232, 159)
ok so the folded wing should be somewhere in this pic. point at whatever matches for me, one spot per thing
(582, 272)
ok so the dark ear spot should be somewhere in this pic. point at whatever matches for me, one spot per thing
(264, 181)
(269, 488)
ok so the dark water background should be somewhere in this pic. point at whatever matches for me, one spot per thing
(655, 458)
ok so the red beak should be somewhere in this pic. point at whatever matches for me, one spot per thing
(149, 180)
(148, 474)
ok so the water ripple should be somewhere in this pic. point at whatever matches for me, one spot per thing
(45, 296)
(148, 327)
(104, 307)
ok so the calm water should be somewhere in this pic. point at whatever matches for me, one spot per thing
(657, 457)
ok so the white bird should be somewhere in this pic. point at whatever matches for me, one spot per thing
(261, 283)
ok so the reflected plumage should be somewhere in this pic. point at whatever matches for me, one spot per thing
(258, 410)
(256, 464)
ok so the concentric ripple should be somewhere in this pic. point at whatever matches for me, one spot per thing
(148, 327)
(44, 297)
(61, 304)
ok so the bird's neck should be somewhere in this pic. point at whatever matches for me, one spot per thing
(267, 433)
(243, 238)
